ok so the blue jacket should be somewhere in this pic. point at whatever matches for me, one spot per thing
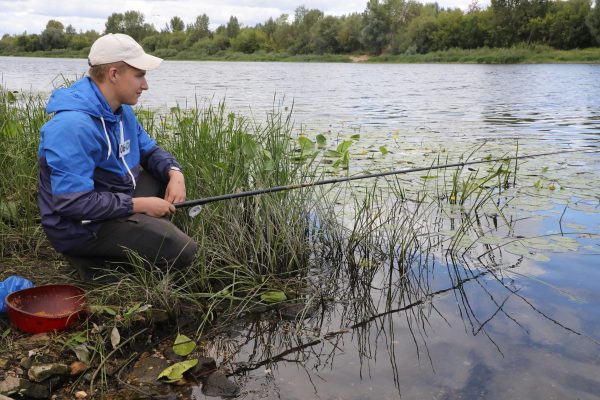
(89, 160)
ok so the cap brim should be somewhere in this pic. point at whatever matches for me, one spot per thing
(144, 62)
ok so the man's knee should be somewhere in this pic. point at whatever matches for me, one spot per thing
(174, 247)
(186, 256)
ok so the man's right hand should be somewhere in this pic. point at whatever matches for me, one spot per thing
(153, 206)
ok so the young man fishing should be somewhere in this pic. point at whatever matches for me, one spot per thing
(105, 187)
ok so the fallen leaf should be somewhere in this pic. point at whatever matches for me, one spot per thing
(115, 337)
(83, 353)
(77, 368)
(183, 345)
(273, 296)
(175, 371)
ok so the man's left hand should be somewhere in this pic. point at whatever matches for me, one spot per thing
(175, 192)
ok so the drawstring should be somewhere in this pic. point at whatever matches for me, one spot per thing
(123, 157)
(107, 138)
(122, 142)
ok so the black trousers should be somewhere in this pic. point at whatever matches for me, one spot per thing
(157, 240)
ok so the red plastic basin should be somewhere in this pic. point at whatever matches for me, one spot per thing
(45, 308)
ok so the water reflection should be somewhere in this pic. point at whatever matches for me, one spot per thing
(336, 357)
(416, 321)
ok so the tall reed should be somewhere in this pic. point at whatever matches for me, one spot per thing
(21, 117)
(254, 245)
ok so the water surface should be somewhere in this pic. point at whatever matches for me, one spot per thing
(480, 327)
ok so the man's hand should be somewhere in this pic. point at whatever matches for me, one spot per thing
(153, 206)
(175, 192)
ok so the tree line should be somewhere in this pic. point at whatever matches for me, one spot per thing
(385, 26)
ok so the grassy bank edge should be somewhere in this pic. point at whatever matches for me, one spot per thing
(513, 55)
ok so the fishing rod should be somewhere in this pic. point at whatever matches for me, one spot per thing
(196, 205)
(274, 189)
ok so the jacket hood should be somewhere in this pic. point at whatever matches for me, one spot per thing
(83, 96)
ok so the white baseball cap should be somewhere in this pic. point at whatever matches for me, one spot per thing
(116, 47)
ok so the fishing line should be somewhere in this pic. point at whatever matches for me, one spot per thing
(199, 202)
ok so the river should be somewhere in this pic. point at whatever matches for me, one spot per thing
(528, 328)
(453, 100)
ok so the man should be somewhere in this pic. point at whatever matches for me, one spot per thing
(95, 200)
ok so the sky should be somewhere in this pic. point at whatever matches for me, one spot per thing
(31, 16)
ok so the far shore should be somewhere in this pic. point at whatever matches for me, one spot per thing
(513, 55)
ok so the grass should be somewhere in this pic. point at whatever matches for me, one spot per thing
(306, 244)
(520, 54)
(247, 246)
(523, 54)
(20, 121)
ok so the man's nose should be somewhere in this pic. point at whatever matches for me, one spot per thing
(144, 84)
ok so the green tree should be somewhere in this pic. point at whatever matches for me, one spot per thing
(283, 37)
(505, 25)
(566, 26)
(269, 28)
(348, 35)
(511, 19)
(53, 37)
(177, 41)
(131, 23)
(83, 40)
(115, 23)
(233, 27)
(323, 35)
(249, 40)
(304, 19)
(28, 43)
(421, 33)
(198, 30)
(376, 27)
(474, 33)
(449, 32)
(176, 24)
(153, 42)
(54, 24)
(592, 21)
(400, 13)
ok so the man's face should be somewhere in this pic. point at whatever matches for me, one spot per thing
(130, 83)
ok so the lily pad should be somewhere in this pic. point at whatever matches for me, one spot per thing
(585, 208)
(518, 249)
(565, 243)
(538, 243)
(491, 239)
(577, 227)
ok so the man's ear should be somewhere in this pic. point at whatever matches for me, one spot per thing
(112, 74)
